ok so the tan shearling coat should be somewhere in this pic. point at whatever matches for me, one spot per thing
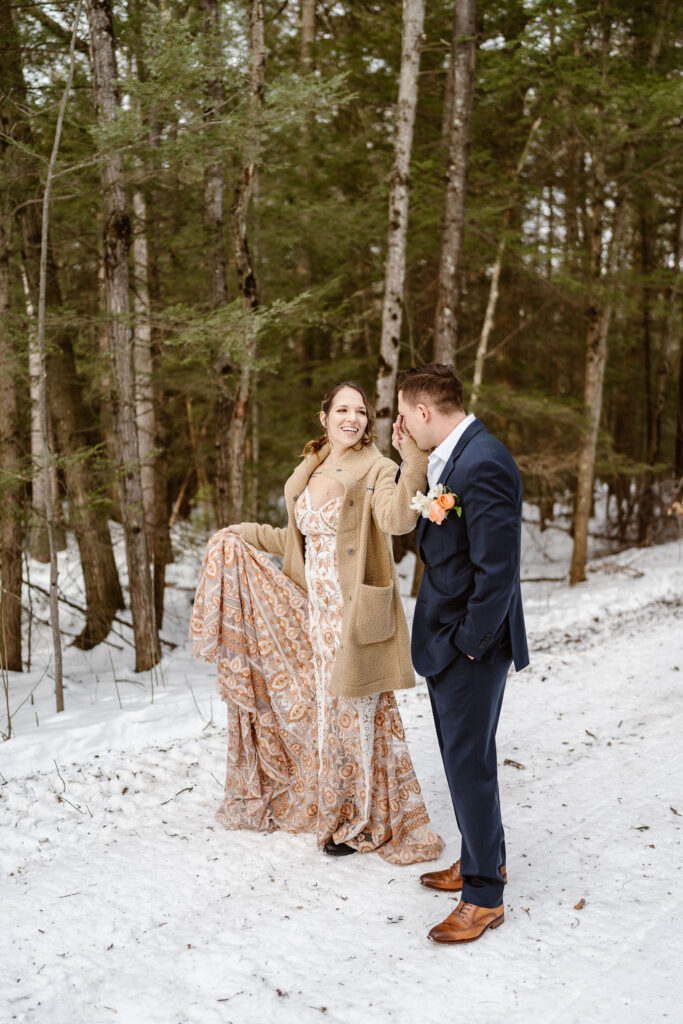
(374, 653)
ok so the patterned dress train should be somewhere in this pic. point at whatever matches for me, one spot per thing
(300, 758)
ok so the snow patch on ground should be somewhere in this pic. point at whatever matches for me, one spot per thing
(124, 900)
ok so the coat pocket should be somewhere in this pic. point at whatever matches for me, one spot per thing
(375, 614)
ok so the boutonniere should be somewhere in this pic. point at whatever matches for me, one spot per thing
(436, 504)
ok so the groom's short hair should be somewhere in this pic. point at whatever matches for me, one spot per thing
(435, 384)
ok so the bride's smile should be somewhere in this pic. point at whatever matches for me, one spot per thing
(346, 421)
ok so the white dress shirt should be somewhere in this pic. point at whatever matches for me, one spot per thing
(442, 453)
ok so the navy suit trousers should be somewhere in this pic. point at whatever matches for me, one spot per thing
(466, 701)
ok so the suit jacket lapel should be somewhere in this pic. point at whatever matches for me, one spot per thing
(472, 431)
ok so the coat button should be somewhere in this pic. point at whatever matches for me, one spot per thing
(350, 551)
(351, 502)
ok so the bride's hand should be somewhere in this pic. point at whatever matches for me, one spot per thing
(398, 435)
(236, 528)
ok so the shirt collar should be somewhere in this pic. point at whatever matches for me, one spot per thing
(443, 451)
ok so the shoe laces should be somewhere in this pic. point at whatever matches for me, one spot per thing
(464, 909)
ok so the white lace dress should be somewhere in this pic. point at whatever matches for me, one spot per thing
(368, 794)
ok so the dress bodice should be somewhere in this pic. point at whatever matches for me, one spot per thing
(317, 521)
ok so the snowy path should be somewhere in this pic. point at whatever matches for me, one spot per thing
(123, 900)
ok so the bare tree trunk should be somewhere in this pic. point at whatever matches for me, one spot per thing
(142, 332)
(304, 263)
(599, 316)
(69, 415)
(447, 110)
(11, 486)
(463, 53)
(672, 321)
(255, 454)
(646, 489)
(149, 403)
(161, 540)
(106, 411)
(51, 529)
(243, 262)
(679, 418)
(39, 543)
(392, 310)
(489, 317)
(214, 189)
(664, 371)
(116, 244)
(153, 447)
(307, 22)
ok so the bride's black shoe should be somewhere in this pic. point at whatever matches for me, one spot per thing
(338, 849)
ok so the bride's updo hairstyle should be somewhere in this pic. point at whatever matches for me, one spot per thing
(327, 402)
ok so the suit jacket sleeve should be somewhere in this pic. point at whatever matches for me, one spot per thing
(493, 523)
(265, 538)
(394, 491)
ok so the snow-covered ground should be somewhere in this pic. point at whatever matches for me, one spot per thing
(122, 899)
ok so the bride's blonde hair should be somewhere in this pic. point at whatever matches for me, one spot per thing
(369, 432)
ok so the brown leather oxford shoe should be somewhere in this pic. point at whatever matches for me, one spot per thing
(450, 879)
(467, 923)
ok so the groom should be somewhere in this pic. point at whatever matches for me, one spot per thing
(468, 627)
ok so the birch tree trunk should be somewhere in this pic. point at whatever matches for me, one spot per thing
(490, 315)
(154, 446)
(116, 244)
(142, 333)
(39, 543)
(11, 486)
(392, 309)
(243, 263)
(44, 415)
(149, 406)
(599, 316)
(463, 53)
(68, 412)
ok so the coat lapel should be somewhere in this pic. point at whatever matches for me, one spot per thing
(352, 467)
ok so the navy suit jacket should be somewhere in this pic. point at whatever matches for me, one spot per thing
(470, 599)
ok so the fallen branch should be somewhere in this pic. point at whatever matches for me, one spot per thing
(83, 611)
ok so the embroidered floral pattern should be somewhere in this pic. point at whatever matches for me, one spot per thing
(299, 758)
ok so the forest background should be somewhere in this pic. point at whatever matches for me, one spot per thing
(251, 201)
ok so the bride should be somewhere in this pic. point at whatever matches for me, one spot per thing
(308, 656)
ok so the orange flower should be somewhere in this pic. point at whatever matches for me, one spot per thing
(437, 513)
(446, 500)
